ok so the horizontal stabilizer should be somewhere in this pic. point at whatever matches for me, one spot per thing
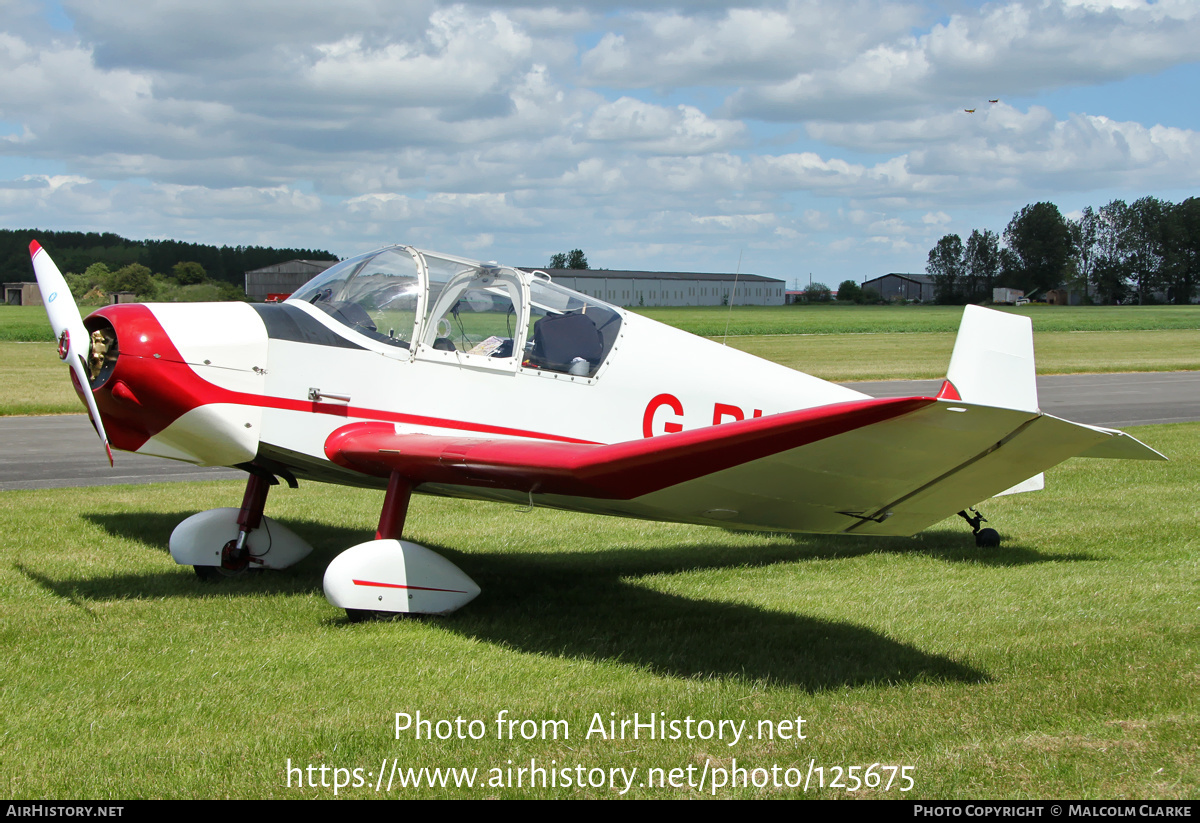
(1033, 484)
(1119, 446)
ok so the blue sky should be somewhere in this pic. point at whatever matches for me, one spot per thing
(804, 136)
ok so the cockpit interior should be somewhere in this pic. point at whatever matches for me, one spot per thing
(427, 303)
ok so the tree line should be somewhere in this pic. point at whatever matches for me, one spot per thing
(1140, 252)
(75, 251)
(187, 282)
(574, 259)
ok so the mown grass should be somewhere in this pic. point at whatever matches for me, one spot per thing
(850, 319)
(920, 355)
(1063, 664)
(35, 381)
(26, 324)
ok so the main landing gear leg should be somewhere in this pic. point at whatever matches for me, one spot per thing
(984, 538)
(223, 542)
(235, 555)
(395, 508)
(388, 575)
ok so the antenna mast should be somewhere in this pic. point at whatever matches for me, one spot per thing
(732, 297)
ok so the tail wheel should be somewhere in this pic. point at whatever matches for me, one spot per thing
(987, 538)
(984, 538)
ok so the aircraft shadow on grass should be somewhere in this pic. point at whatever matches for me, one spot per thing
(590, 605)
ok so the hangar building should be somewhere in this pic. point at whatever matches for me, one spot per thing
(623, 288)
(282, 278)
(895, 285)
(22, 294)
(659, 288)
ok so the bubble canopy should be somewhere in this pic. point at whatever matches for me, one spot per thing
(452, 308)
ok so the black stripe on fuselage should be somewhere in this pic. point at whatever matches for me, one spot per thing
(286, 322)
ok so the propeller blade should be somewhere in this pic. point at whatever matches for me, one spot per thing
(74, 343)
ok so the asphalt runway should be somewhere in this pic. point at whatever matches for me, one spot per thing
(1112, 400)
(63, 450)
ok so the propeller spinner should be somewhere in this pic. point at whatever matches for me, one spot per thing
(74, 344)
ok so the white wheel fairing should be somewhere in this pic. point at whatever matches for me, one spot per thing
(198, 541)
(397, 576)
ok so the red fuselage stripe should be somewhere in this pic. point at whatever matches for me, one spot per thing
(399, 586)
(288, 404)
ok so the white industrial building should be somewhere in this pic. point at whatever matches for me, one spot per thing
(622, 288)
(658, 288)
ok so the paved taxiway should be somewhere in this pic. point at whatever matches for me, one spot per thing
(59, 451)
(1112, 400)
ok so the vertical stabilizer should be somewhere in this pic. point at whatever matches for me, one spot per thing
(992, 364)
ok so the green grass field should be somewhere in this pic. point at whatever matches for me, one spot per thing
(26, 324)
(1061, 665)
(35, 381)
(835, 319)
(918, 355)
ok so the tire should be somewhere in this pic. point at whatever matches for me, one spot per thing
(215, 574)
(371, 616)
(987, 539)
(209, 574)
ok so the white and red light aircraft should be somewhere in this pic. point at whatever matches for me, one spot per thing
(414, 371)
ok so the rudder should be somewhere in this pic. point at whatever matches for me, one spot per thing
(993, 363)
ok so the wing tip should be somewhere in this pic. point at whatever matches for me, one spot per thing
(34, 247)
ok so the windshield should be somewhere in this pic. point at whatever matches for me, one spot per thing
(376, 294)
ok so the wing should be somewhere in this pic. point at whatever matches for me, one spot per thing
(877, 466)
(620, 471)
